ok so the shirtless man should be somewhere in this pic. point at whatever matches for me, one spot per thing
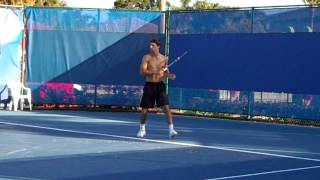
(153, 67)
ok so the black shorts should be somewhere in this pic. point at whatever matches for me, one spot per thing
(154, 92)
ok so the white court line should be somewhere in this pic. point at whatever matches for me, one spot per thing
(17, 151)
(164, 142)
(273, 150)
(264, 173)
(16, 177)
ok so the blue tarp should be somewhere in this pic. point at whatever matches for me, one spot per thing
(253, 61)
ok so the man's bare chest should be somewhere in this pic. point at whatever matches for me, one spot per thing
(156, 63)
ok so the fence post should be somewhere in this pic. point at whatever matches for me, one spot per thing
(252, 18)
(250, 94)
(167, 41)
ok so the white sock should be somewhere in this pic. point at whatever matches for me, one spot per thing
(143, 127)
(170, 127)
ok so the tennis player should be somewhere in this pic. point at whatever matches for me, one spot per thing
(154, 68)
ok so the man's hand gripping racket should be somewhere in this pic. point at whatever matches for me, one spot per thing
(169, 75)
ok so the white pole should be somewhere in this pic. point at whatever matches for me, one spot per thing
(163, 5)
(163, 9)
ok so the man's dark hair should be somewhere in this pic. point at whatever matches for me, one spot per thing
(156, 41)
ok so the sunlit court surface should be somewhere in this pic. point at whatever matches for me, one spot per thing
(103, 145)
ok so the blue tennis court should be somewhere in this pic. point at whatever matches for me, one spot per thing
(103, 145)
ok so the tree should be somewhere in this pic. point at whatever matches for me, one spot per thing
(51, 3)
(199, 4)
(312, 2)
(137, 4)
(54, 3)
(205, 5)
(185, 4)
(155, 4)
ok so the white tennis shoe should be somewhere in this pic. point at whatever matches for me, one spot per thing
(141, 133)
(172, 133)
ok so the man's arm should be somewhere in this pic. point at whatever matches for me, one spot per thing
(167, 72)
(144, 67)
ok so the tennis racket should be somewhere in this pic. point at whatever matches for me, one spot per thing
(176, 60)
